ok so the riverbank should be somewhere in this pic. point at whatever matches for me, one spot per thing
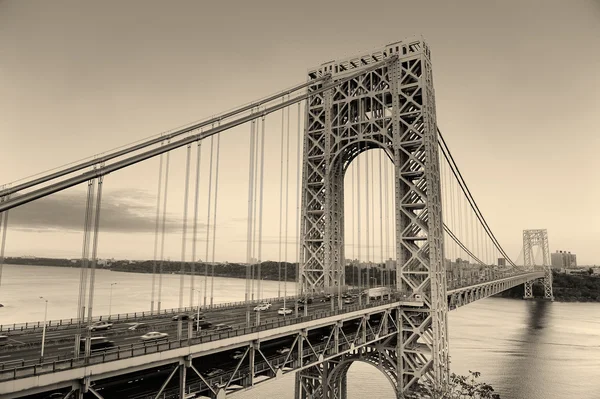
(269, 270)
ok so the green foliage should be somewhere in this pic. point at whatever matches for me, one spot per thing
(459, 387)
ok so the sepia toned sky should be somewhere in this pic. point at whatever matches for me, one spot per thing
(517, 88)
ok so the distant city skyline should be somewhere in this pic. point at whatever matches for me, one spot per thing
(79, 79)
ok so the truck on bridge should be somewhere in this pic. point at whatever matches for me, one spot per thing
(378, 293)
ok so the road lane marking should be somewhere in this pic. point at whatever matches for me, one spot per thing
(5, 356)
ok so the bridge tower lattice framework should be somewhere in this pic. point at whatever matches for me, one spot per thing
(391, 106)
(531, 239)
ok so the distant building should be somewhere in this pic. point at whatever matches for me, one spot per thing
(501, 262)
(563, 260)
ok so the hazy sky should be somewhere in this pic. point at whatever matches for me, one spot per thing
(517, 88)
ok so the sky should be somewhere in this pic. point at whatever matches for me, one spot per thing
(517, 96)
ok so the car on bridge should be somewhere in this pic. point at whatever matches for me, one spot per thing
(100, 325)
(284, 311)
(349, 301)
(237, 355)
(181, 316)
(96, 343)
(154, 335)
(137, 326)
(262, 306)
(202, 324)
(283, 351)
(212, 372)
(222, 327)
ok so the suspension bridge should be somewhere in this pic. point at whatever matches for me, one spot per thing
(365, 127)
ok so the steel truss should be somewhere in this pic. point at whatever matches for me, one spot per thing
(391, 108)
(463, 296)
(532, 238)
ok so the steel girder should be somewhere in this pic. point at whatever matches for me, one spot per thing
(532, 238)
(463, 296)
(391, 108)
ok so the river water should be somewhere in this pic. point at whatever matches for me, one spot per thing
(524, 349)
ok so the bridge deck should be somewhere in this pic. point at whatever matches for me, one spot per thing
(21, 370)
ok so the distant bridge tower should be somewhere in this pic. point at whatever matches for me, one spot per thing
(391, 106)
(532, 238)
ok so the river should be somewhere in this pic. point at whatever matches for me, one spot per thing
(524, 349)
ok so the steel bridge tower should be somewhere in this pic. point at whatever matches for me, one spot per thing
(532, 238)
(391, 106)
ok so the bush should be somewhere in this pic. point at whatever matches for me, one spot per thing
(460, 387)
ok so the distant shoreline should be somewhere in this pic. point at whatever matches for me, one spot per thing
(566, 288)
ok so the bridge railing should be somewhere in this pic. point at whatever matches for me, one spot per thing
(129, 317)
(16, 370)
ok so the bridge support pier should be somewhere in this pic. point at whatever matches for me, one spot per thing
(528, 290)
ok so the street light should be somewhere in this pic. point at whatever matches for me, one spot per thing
(44, 329)
(110, 300)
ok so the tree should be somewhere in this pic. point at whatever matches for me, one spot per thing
(590, 271)
(459, 387)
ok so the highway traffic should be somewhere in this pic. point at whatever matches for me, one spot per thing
(26, 348)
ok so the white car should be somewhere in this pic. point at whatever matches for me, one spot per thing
(153, 335)
(261, 307)
(283, 350)
(284, 311)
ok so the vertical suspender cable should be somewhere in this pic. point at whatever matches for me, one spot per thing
(298, 226)
(162, 238)
(195, 228)
(373, 212)
(86, 247)
(387, 221)
(3, 226)
(154, 263)
(358, 232)
(353, 190)
(367, 283)
(287, 190)
(381, 220)
(212, 139)
(255, 211)
(260, 208)
(249, 231)
(212, 263)
(95, 251)
(83, 271)
(280, 203)
(185, 217)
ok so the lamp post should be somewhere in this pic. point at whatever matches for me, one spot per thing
(198, 314)
(44, 328)
(110, 300)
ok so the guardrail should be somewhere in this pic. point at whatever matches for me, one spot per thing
(53, 325)
(35, 367)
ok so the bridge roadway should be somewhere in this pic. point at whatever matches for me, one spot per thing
(59, 344)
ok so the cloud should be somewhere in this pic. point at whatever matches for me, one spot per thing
(123, 211)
